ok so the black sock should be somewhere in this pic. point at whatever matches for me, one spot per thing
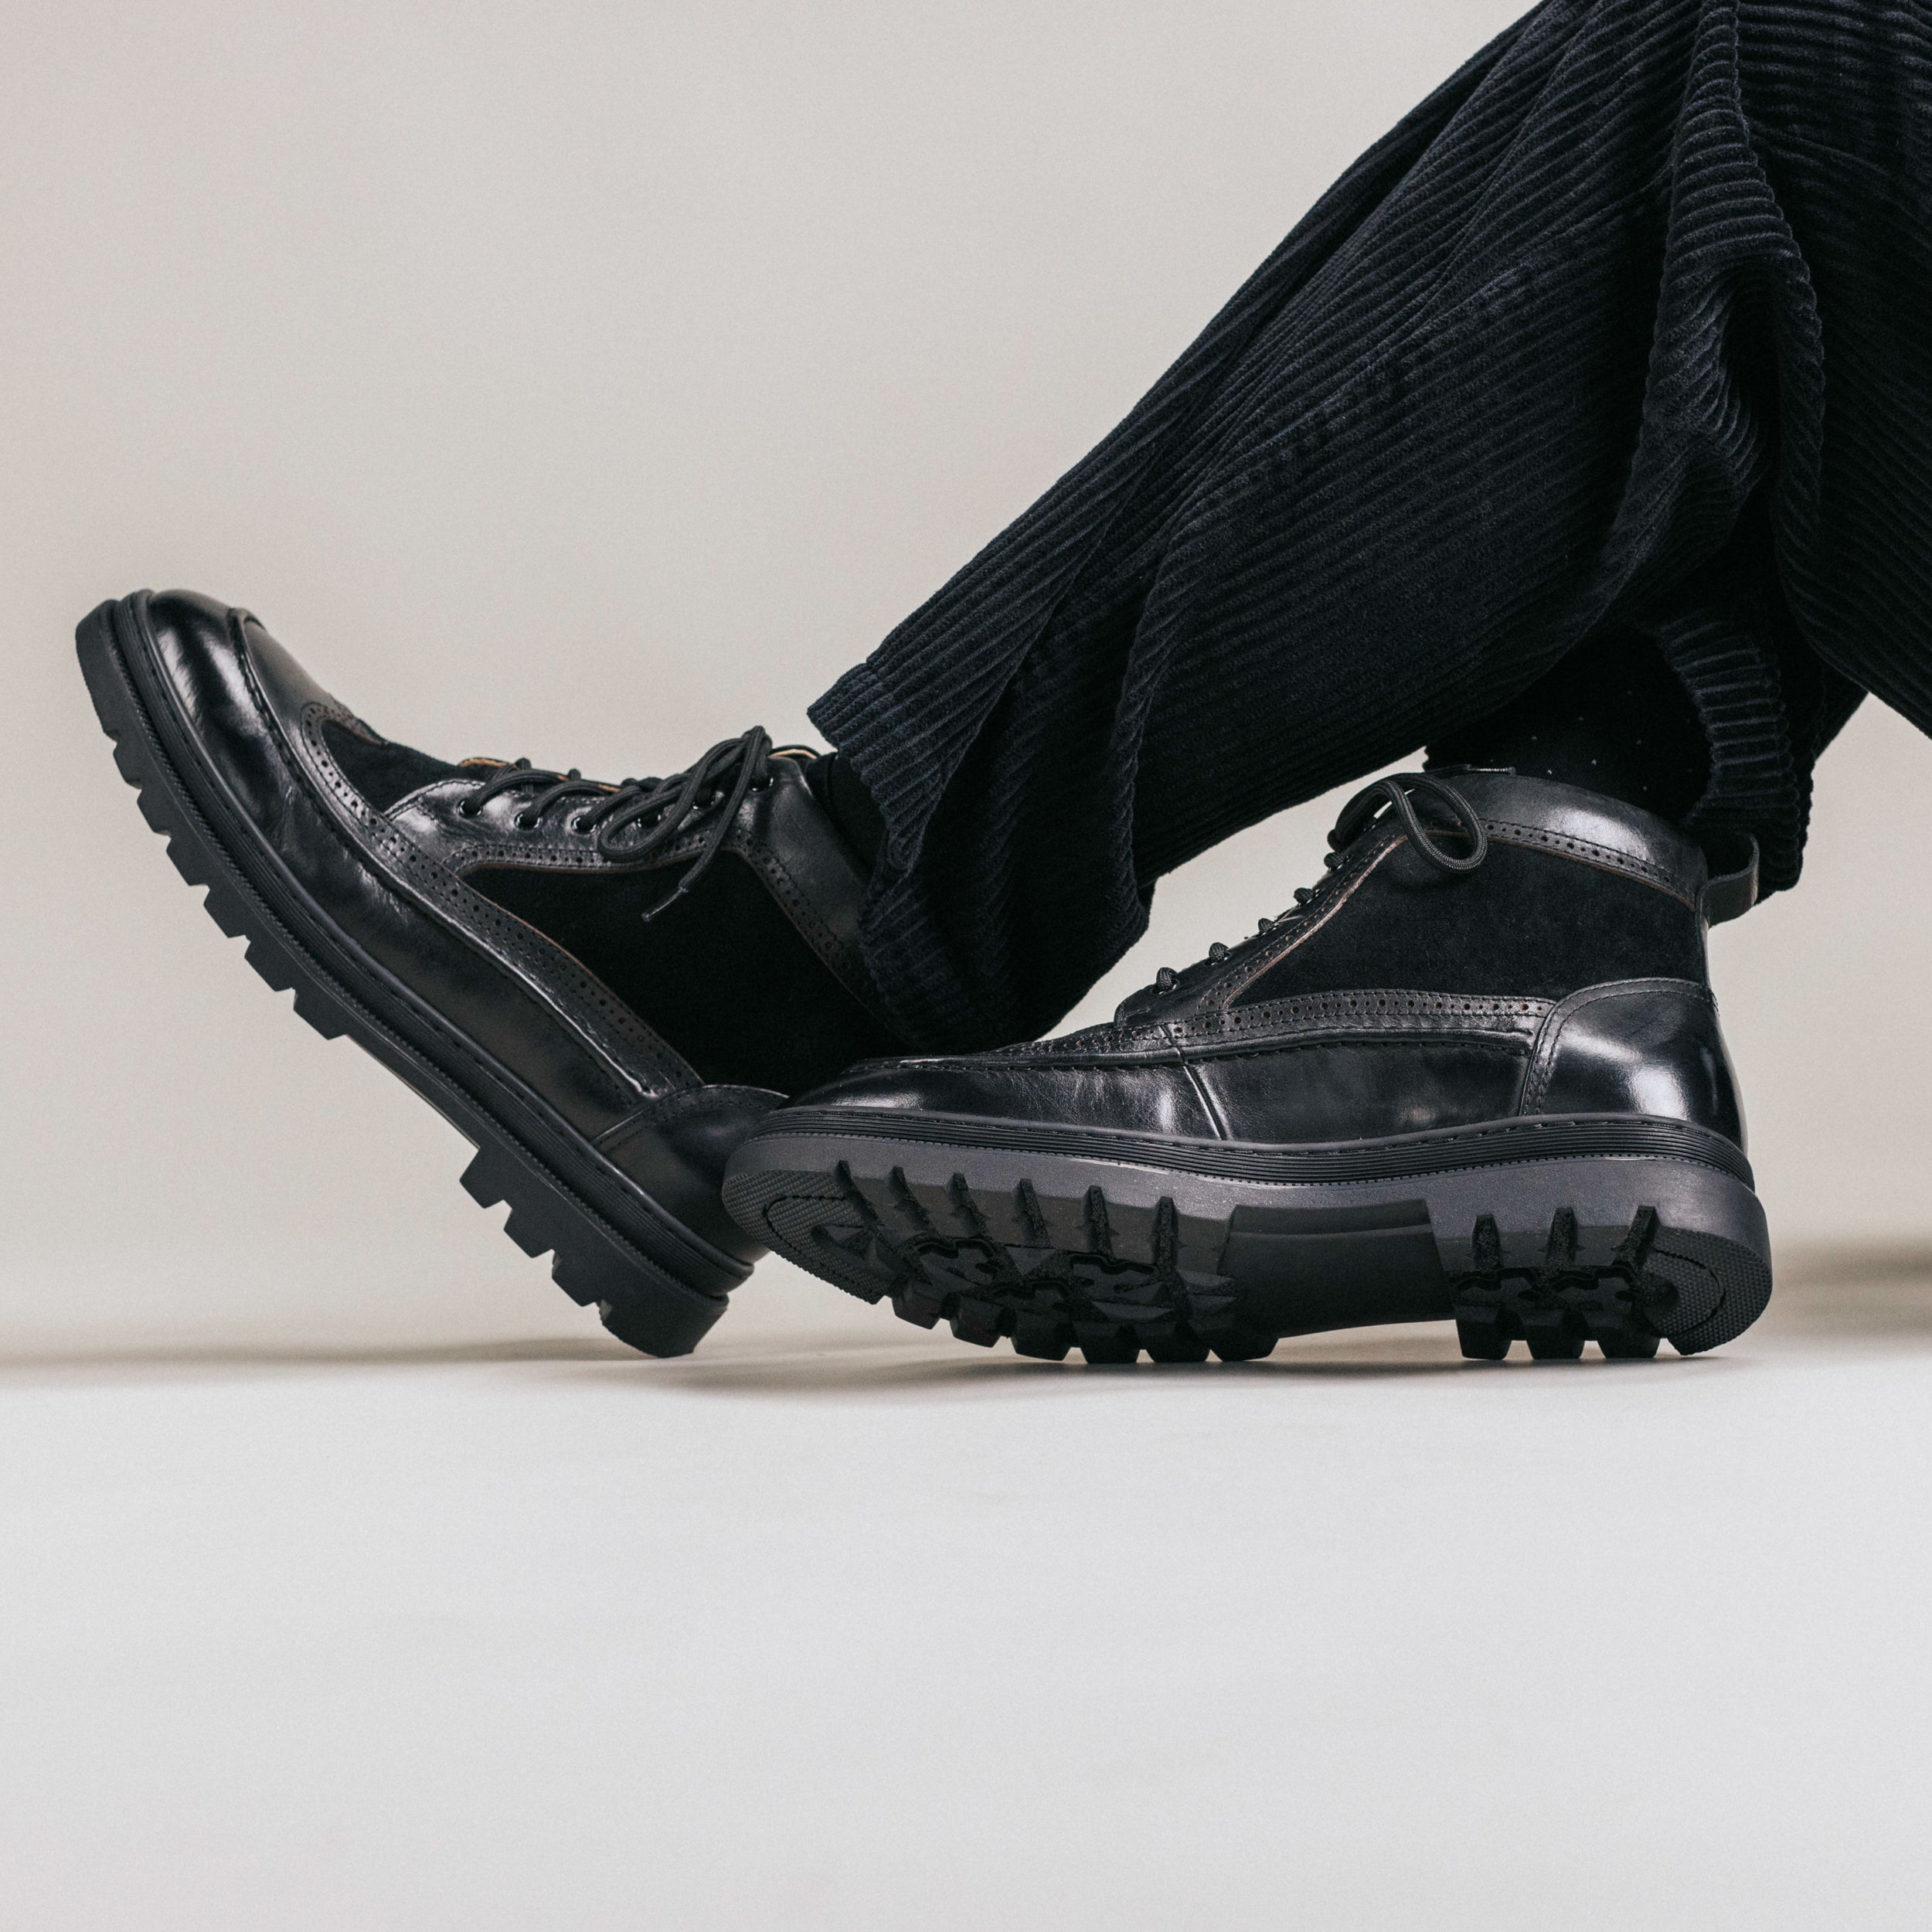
(1611, 718)
(848, 804)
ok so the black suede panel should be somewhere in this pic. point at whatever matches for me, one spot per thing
(382, 772)
(723, 975)
(1525, 922)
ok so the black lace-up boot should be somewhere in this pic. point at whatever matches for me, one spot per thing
(603, 987)
(1475, 1073)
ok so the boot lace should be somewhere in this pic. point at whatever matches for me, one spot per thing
(1392, 797)
(712, 788)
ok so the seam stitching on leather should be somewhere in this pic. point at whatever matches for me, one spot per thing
(483, 1069)
(1549, 1041)
(1384, 1036)
(1199, 1087)
(1728, 1154)
(1471, 1167)
(1263, 1050)
(1370, 1008)
(473, 909)
(1605, 858)
(837, 1120)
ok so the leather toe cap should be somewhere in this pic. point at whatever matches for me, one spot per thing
(234, 693)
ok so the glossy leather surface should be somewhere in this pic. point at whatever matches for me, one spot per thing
(1152, 1095)
(1189, 1062)
(252, 721)
(1334, 1090)
(1637, 1046)
(1362, 1090)
(676, 1148)
(250, 713)
(1574, 824)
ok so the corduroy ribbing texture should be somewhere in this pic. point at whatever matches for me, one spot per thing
(1625, 334)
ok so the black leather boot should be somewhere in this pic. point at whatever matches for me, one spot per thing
(602, 987)
(1475, 1073)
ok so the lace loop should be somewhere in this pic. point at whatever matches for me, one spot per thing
(1400, 792)
(712, 788)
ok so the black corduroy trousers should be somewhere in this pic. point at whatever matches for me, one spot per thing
(1622, 340)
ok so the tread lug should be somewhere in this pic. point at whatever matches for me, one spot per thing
(981, 1323)
(1486, 1333)
(1627, 1345)
(1553, 1336)
(1042, 1338)
(914, 1302)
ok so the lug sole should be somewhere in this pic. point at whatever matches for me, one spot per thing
(656, 1285)
(1056, 1250)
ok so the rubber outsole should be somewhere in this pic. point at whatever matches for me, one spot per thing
(1057, 1251)
(656, 1285)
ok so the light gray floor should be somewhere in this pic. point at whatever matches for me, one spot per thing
(338, 1623)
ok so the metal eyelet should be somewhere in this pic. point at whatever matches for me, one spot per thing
(468, 808)
(524, 822)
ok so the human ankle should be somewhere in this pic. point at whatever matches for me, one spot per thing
(1611, 718)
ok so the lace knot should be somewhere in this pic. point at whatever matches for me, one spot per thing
(712, 788)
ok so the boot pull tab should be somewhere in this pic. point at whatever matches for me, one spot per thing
(1732, 893)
